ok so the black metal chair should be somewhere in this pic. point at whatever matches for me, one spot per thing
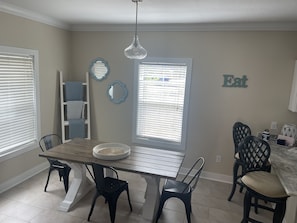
(240, 132)
(259, 183)
(182, 189)
(46, 143)
(110, 188)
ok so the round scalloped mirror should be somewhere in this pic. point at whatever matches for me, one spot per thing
(99, 69)
(117, 92)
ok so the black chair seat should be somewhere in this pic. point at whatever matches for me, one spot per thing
(172, 186)
(112, 185)
(58, 164)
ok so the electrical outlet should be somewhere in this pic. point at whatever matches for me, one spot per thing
(218, 159)
(273, 125)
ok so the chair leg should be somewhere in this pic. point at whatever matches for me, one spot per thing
(93, 205)
(188, 213)
(161, 205)
(256, 205)
(280, 210)
(60, 174)
(48, 177)
(246, 207)
(66, 172)
(127, 189)
(188, 207)
(112, 203)
(235, 171)
(241, 189)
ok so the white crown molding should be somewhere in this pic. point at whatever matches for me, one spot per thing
(261, 26)
(188, 27)
(13, 10)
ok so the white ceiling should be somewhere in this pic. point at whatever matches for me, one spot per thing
(75, 14)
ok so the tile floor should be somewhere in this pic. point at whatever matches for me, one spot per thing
(28, 203)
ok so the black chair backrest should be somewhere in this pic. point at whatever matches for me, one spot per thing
(254, 154)
(98, 176)
(240, 132)
(49, 141)
(193, 174)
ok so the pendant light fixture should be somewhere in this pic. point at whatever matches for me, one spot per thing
(135, 50)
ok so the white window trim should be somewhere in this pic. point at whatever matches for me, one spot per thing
(30, 146)
(163, 144)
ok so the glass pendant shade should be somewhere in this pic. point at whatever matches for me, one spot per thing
(135, 50)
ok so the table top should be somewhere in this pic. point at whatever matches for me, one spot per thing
(284, 164)
(143, 160)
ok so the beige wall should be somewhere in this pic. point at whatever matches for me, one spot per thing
(266, 58)
(53, 47)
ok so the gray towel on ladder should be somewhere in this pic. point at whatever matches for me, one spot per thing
(73, 91)
(75, 109)
(76, 128)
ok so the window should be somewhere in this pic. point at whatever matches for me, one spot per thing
(162, 87)
(19, 104)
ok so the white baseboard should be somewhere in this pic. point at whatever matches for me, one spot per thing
(22, 177)
(211, 176)
(217, 177)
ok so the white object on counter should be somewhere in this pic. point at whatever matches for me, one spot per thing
(289, 140)
(289, 130)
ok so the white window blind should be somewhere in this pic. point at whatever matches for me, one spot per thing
(18, 108)
(161, 102)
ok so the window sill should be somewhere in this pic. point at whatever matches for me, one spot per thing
(17, 151)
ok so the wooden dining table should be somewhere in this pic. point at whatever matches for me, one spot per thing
(152, 163)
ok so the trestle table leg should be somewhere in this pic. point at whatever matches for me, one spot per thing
(79, 187)
(152, 198)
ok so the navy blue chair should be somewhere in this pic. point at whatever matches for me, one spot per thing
(239, 131)
(260, 184)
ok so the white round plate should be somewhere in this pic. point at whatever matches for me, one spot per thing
(111, 151)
